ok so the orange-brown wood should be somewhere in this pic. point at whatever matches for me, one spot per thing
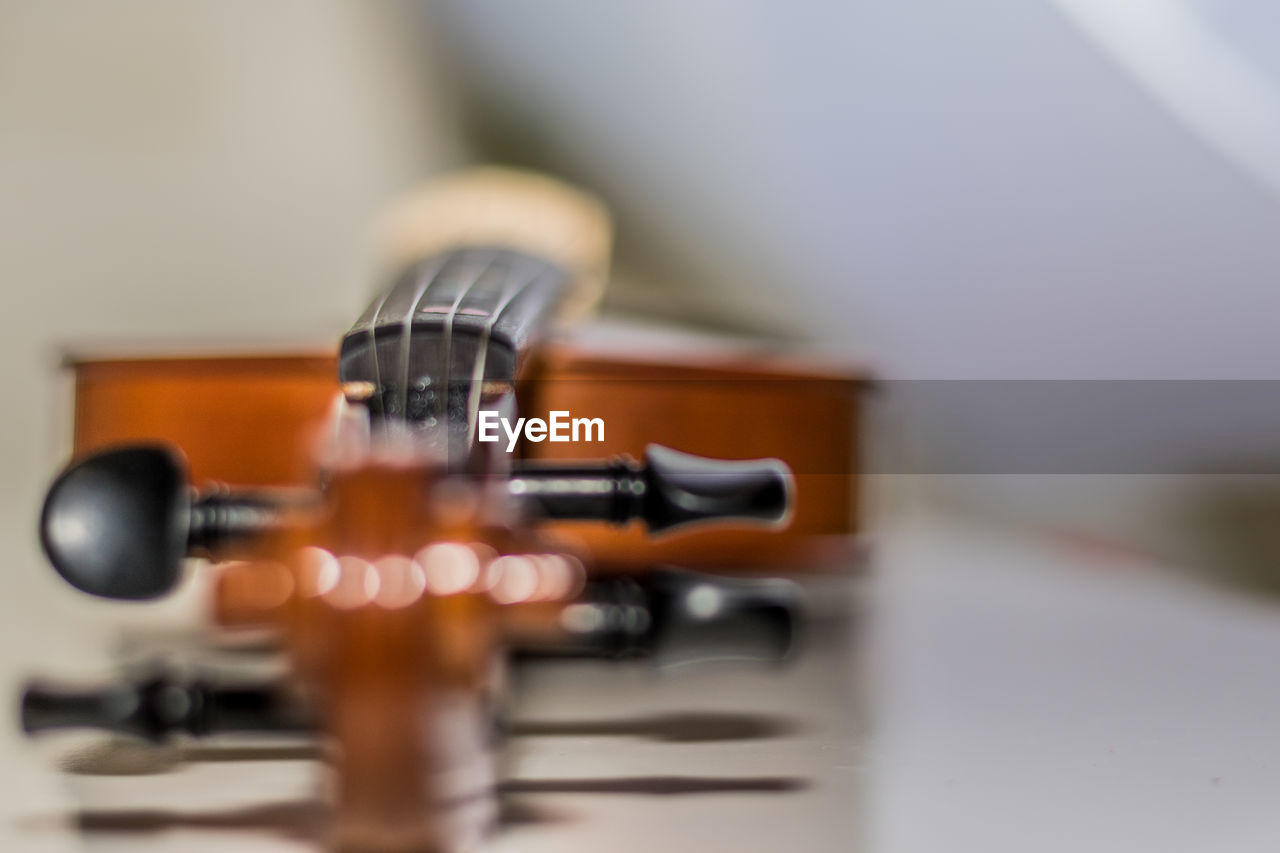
(730, 408)
(390, 599)
(398, 679)
(239, 419)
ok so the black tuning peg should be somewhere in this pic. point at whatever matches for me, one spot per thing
(118, 523)
(159, 706)
(669, 490)
(674, 614)
(668, 614)
(698, 616)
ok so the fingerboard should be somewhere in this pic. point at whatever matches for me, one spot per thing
(450, 323)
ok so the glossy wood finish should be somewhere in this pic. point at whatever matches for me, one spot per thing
(730, 407)
(392, 598)
(238, 419)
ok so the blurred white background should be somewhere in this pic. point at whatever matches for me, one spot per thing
(1004, 190)
(1078, 189)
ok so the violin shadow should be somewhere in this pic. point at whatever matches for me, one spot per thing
(298, 819)
(254, 752)
(129, 757)
(659, 785)
(669, 728)
(125, 757)
(303, 820)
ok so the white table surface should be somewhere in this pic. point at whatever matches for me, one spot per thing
(1032, 696)
(1023, 695)
(791, 777)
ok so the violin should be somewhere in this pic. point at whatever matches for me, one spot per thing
(411, 511)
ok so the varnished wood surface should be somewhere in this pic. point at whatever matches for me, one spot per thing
(238, 419)
(808, 416)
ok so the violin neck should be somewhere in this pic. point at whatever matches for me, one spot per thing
(452, 327)
(451, 313)
(483, 261)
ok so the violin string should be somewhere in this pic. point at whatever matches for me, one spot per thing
(373, 347)
(443, 397)
(477, 375)
(336, 413)
(425, 282)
